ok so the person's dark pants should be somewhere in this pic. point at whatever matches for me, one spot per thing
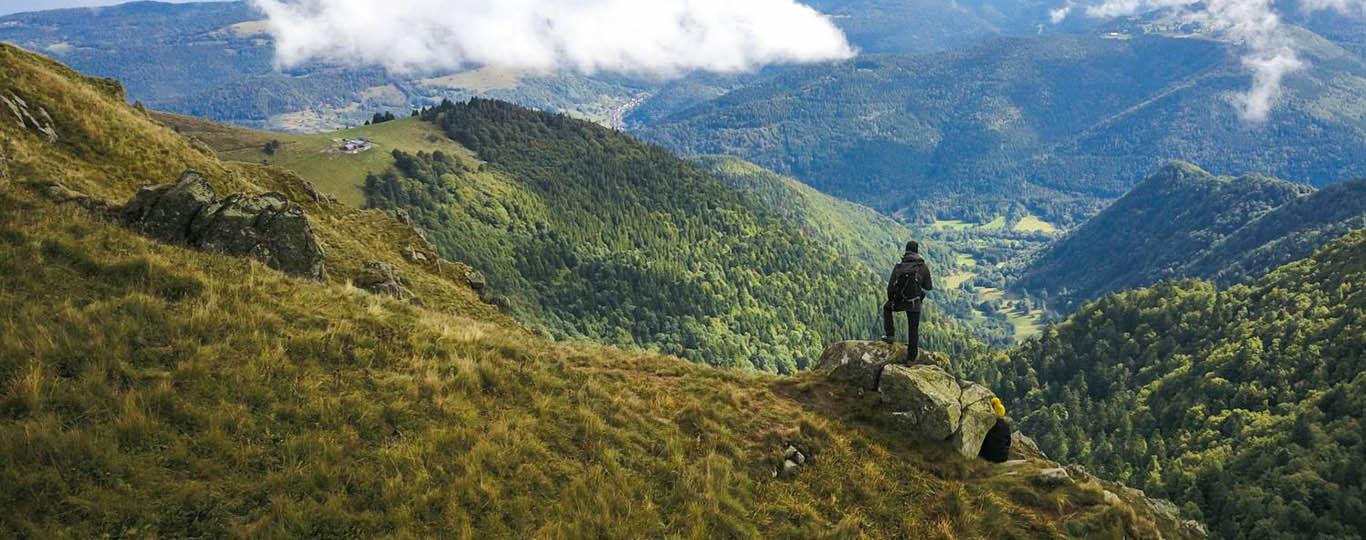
(912, 329)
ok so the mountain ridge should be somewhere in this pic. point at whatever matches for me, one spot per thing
(1185, 222)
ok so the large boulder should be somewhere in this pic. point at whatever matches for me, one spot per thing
(859, 362)
(164, 212)
(930, 404)
(265, 227)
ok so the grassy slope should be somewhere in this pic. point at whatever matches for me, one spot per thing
(149, 390)
(314, 156)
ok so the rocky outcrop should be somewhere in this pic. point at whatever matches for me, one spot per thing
(921, 399)
(860, 363)
(39, 121)
(381, 278)
(930, 404)
(1023, 447)
(265, 227)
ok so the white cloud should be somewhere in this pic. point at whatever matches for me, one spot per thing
(1269, 51)
(1060, 14)
(657, 37)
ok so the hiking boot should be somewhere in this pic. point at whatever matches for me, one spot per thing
(888, 340)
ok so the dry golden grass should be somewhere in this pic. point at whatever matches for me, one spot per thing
(152, 389)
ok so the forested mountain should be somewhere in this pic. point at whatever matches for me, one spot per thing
(1246, 405)
(959, 260)
(215, 60)
(1056, 124)
(1185, 222)
(148, 389)
(899, 26)
(1288, 233)
(596, 235)
(1152, 233)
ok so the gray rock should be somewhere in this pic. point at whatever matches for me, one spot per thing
(795, 455)
(1077, 471)
(930, 404)
(381, 278)
(1053, 477)
(165, 212)
(859, 363)
(265, 227)
(476, 280)
(1023, 447)
(789, 469)
(413, 255)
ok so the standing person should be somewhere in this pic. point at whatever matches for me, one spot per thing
(906, 292)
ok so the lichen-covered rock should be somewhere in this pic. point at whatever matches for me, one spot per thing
(1023, 447)
(859, 362)
(266, 227)
(164, 212)
(930, 404)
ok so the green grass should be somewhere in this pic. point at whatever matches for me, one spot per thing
(316, 157)
(953, 224)
(952, 281)
(1025, 323)
(997, 223)
(1032, 223)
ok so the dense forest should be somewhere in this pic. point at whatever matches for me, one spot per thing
(589, 233)
(1152, 233)
(965, 134)
(1245, 405)
(1288, 233)
(1185, 222)
(991, 258)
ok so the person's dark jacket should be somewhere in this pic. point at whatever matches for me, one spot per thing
(926, 283)
(996, 447)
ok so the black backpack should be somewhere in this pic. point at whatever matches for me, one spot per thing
(905, 287)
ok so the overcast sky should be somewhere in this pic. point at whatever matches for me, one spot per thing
(16, 6)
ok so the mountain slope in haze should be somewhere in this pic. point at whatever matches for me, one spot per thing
(148, 390)
(1185, 222)
(1056, 124)
(216, 60)
(1153, 232)
(1245, 406)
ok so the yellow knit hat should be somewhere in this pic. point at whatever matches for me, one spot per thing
(999, 407)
